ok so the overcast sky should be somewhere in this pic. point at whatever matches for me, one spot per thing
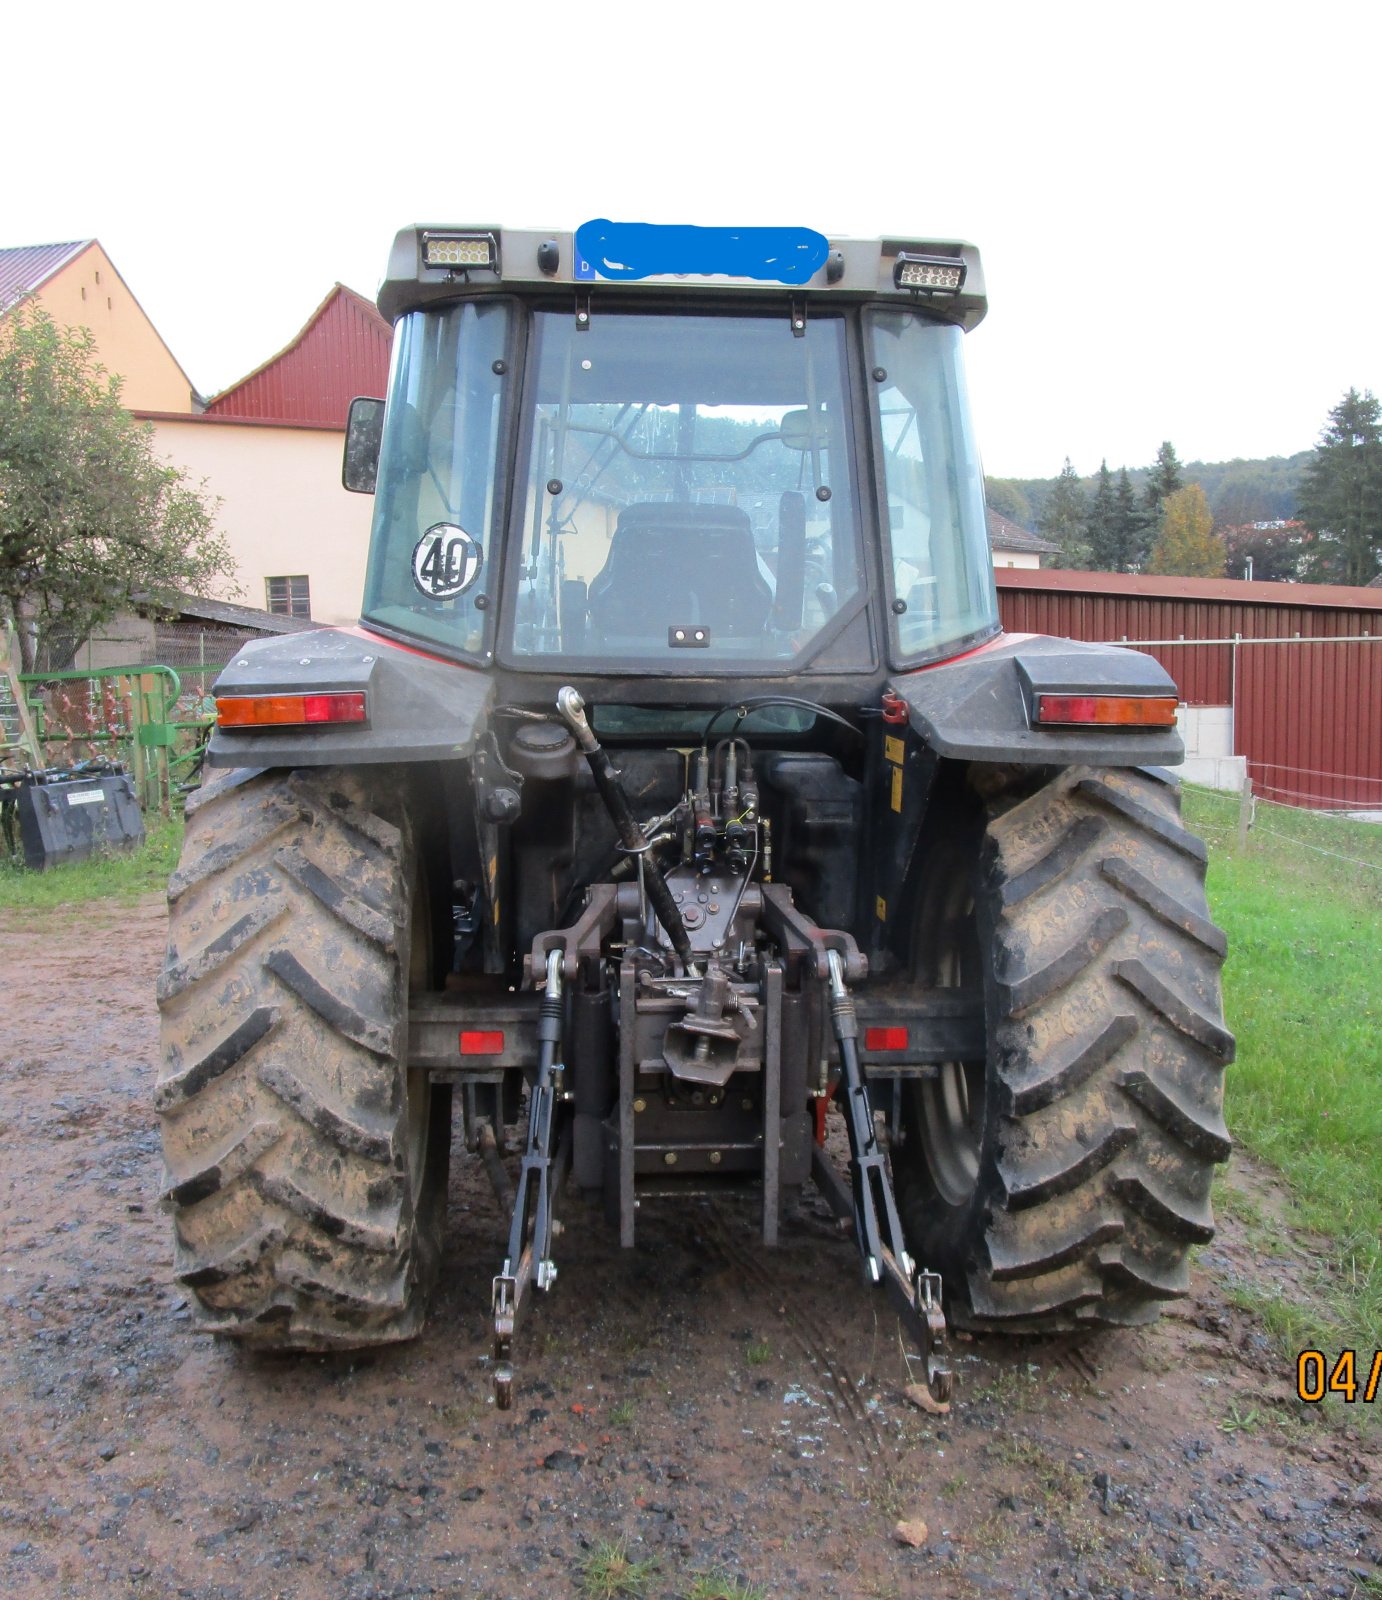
(1178, 205)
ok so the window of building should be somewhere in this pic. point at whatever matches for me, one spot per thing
(288, 597)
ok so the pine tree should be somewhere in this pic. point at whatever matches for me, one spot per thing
(1129, 527)
(1188, 546)
(1063, 519)
(1164, 478)
(1341, 494)
(1100, 532)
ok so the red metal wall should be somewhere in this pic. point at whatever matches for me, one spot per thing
(1307, 716)
(343, 351)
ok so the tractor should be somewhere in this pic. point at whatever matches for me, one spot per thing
(680, 781)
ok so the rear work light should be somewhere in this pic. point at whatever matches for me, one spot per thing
(460, 250)
(1105, 711)
(929, 274)
(287, 710)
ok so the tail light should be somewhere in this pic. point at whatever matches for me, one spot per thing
(1105, 711)
(288, 710)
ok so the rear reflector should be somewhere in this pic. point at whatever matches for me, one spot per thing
(1106, 710)
(474, 1042)
(287, 710)
(885, 1038)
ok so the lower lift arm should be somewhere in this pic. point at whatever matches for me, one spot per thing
(877, 1226)
(546, 1160)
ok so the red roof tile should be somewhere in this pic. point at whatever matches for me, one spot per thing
(342, 351)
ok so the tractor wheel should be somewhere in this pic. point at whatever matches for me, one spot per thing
(1060, 1182)
(306, 1166)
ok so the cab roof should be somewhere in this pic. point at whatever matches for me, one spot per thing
(434, 263)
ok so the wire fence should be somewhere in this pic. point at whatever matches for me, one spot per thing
(1304, 712)
(1317, 848)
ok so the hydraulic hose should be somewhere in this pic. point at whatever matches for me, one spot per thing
(572, 709)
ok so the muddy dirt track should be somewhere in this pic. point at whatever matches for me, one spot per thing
(719, 1408)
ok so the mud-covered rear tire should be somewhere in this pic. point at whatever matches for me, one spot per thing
(305, 1167)
(1061, 1182)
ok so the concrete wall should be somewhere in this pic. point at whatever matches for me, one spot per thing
(1209, 757)
(282, 509)
(1016, 558)
(89, 293)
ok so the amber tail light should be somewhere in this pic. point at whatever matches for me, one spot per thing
(287, 710)
(1105, 710)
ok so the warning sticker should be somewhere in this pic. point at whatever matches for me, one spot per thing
(446, 562)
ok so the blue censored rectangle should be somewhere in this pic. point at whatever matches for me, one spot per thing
(630, 250)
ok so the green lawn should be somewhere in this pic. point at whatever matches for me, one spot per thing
(121, 875)
(1302, 906)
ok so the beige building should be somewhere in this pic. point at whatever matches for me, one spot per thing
(269, 448)
(1013, 546)
(78, 287)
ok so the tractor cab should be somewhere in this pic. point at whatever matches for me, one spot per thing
(685, 475)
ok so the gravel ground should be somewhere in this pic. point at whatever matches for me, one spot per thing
(718, 1408)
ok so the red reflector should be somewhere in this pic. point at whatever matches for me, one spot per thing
(475, 1042)
(1106, 710)
(287, 710)
(885, 1038)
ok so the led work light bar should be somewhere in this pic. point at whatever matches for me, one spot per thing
(929, 274)
(459, 251)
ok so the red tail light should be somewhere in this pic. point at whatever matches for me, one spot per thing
(1106, 710)
(885, 1038)
(287, 710)
(478, 1042)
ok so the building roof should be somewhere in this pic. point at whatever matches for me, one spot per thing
(1006, 535)
(26, 267)
(1316, 595)
(228, 614)
(342, 351)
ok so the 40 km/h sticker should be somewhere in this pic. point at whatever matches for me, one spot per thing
(446, 561)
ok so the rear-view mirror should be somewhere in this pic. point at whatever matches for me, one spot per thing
(364, 430)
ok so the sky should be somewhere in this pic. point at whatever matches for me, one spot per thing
(1177, 204)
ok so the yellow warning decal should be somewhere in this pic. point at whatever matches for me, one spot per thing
(893, 750)
(880, 909)
(897, 788)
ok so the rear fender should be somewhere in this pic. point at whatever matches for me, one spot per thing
(979, 707)
(419, 708)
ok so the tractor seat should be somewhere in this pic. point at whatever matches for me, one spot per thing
(675, 563)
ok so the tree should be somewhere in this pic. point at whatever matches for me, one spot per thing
(1274, 548)
(1163, 480)
(90, 518)
(1007, 499)
(1129, 527)
(1341, 494)
(1063, 519)
(1100, 534)
(1117, 528)
(1188, 546)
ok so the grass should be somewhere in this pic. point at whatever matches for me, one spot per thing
(122, 876)
(719, 1586)
(621, 1414)
(1239, 1421)
(1302, 907)
(758, 1354)
(610, 1572)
